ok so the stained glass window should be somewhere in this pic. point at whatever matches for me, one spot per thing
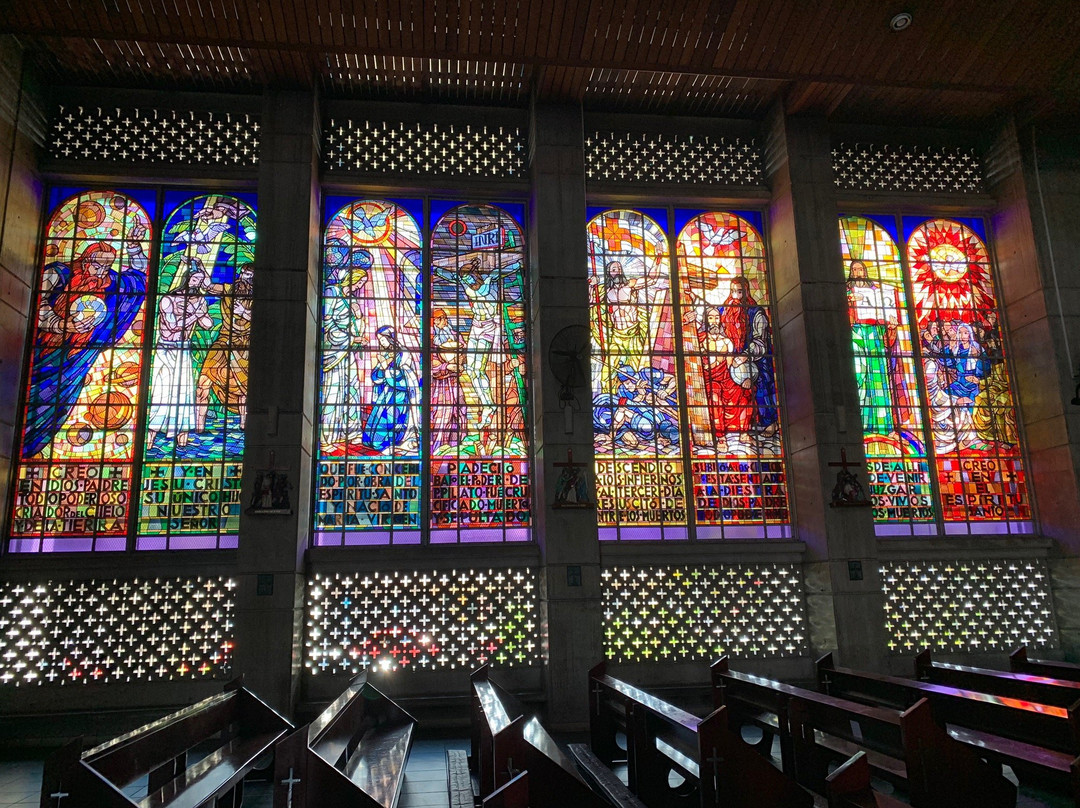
(479, 444)
(736, 455)
(95, 428)
(76, 457)
(939, 421)
(194, 445)
(683, 376)
(422, 430)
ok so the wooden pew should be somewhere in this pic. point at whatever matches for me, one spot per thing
(849, 787)
(1020, 663)
(1039, 724)
(515, 794)
(241, 727)
(986, 726)
(1024, 686)
(353, 754)
(907, 747)
(705, 752)
(507, 742)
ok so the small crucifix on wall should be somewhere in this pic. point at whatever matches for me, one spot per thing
(848, 491)
(572, 489)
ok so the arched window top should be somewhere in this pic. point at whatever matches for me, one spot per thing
(475, 227)
(626, 233)
(865, 242)
(719, 246)
(950, 271)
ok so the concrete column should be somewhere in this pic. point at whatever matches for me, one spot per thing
(1036, 231)
(281, 396)
(20, 212)
(570, 578)
(820, 390)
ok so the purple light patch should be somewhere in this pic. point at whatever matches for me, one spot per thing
(608, 534)
(778, 531)
(151, 543)
(326, 539)
(193, 543)
(443, 537)
(229, 542)
(709, 532)
(24, 545)
(406, 536)
(67, 544)
(482, 535)
(745, 532)
(367, 538)
(518, 534)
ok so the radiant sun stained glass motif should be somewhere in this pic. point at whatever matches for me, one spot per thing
(78, 441)
(948, 419)
(369, 474)
(893, 435)
(479, 445)
(192, 460)
(737, 458)
(979, 469)
(640, 484)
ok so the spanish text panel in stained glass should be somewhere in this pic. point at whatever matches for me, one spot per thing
(369, 469)
(972, 416)
(480, 471)
(74, 474)
(194, 445)
(893, 433)
(640, 483)
(734, 417)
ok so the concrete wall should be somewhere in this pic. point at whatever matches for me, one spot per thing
(821, 407)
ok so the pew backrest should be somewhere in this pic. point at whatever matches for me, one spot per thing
(1025, 686)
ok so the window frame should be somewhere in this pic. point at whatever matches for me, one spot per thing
(332, 200)
(691, 208)
(896, 214)
(53, 196)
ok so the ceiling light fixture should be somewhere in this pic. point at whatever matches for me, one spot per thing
(900, 21)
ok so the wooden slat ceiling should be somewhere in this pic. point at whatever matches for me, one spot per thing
(959, 62)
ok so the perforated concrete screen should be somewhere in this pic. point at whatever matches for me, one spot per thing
(434, 619)
(115, 630)
(425, 149)
(148, 135)
(884, 167)
(698, 613)
(967, 606)
(630, 157)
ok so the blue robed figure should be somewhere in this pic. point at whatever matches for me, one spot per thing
(89, 308)
(394, 385)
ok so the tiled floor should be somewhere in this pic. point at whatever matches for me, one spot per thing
(425, 779)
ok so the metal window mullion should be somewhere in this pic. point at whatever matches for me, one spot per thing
(680, 373)
(920, 376)
(426, 464)
(141, 412)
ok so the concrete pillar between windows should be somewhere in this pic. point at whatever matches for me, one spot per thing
(1028, 258)
(820, 391)
(20, 215)
(570, 576)
(281, 397)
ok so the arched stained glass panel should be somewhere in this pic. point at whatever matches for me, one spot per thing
(369, 471)
(478, 426)
(194, 445)
(640, 483)
(893, 434)
(734, 417)
(973, 423)
(74, 476)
